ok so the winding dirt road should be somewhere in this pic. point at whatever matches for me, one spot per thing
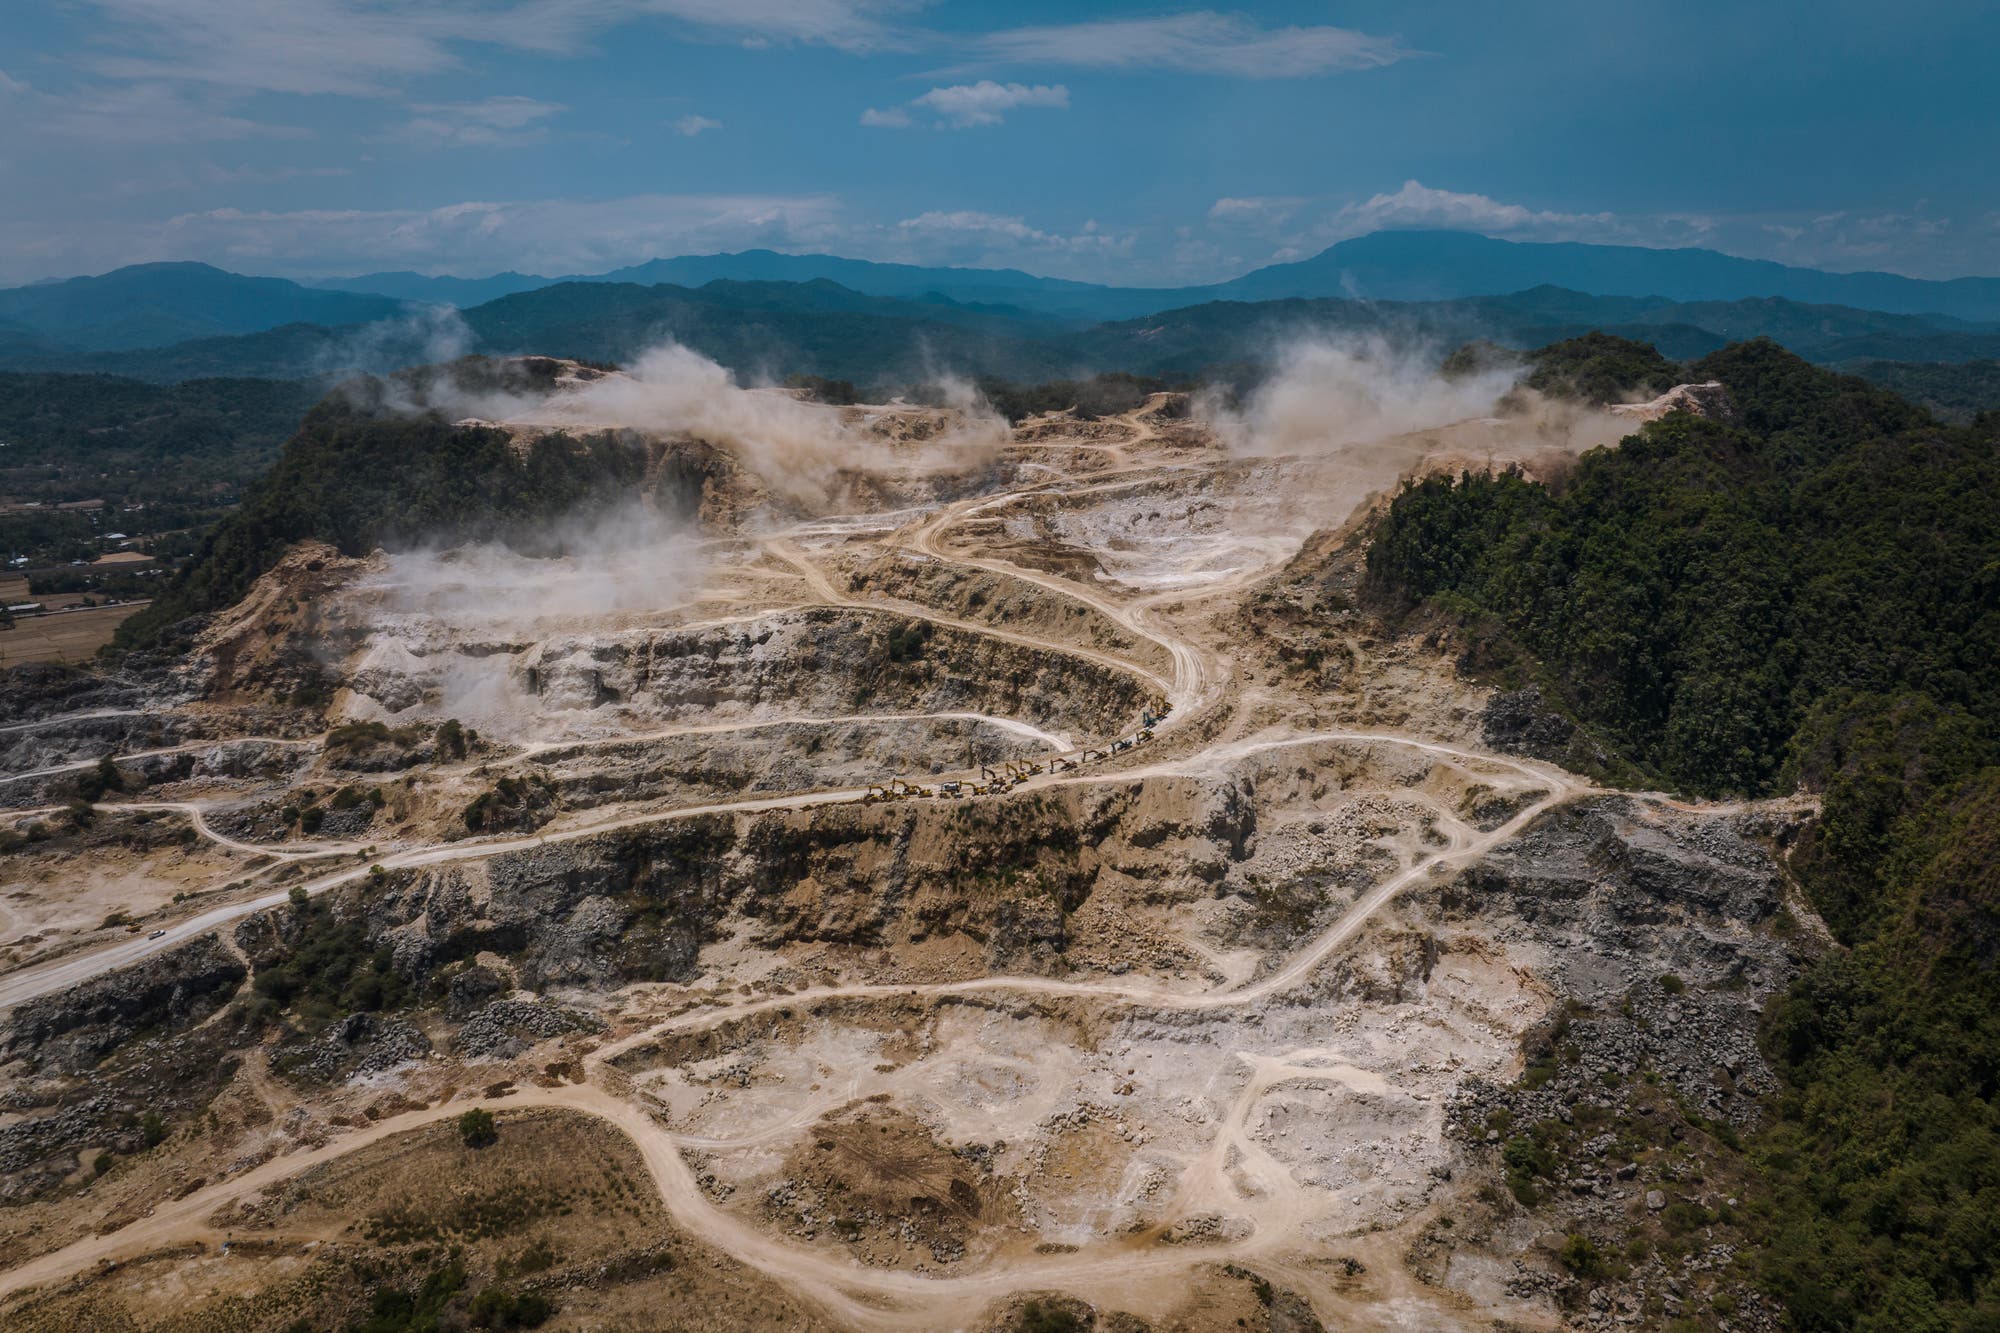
(847, 1291)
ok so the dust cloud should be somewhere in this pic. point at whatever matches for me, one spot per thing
(1348, 395)
(1342, 419)
(434, 613)
(423, 335)
(799, 448)
(455, 624)
(626, 560)
(1381, 408)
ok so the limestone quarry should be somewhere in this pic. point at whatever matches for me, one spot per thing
(898, 871)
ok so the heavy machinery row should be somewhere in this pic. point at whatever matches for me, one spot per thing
(1013, 772)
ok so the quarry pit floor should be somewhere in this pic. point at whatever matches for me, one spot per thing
(1243, 1058)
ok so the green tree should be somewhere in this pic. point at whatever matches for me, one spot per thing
(1807, 595)
(477, 1129)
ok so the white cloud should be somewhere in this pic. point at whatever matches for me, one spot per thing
(1913, 240)
(133, 113)
(689, 126)
(297, 46)
(365, 48)
(964, 105)
(495, 122)
(172, 175)
(1201, 42)
(848, 25)
(971, 237)
(967, 220)
(967, 105)
(1848, 241)
(1293, 228)
(1418, 205)
(1260, 209)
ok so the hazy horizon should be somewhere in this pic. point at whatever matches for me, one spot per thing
(475, 272)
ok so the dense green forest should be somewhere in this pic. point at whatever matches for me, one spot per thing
(155, 439)
(1810, 593)
(161, 458)
(1601, 368)
(1954, 391)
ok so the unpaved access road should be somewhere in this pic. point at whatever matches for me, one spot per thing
(847, 1291)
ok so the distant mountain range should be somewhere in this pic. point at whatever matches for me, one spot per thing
(153, 305)
(1441, 265)
(1387, 265)
(771, 329)
(1000, 287)
(766, 314)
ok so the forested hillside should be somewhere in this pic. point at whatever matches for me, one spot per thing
(1954, 391)
(150, 305)
(357, 475)
(65, 434)
(158, 459)
(1810, 594)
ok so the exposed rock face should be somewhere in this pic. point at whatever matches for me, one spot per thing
(505, 1028)
(1657, 932)
(1519, 722)
(357, 1045)
(271, 646)
(1703, 400)
(71, 1031)
(222, 760)
(44, 689)
(637, 905)
(1621, 897)
(85, 1066)
(470, 990)
(1523, 722)
(821, 662)
(780, 758)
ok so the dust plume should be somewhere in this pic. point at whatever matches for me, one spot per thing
(424, 335)
(437, 614)
(1341, 420)
(800, 449)
(1327, 395)
(1380, 408)
(602, 564)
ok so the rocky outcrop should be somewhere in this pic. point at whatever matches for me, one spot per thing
(71, 1031)
(45, 689)
(1661, 937)
(1523, 722)
(107, 1067)
(638, 904)
(1710, 399)
(825, 661)
(505, 1028)
(355, 1046)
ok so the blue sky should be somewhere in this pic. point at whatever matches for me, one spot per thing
(1129, 143)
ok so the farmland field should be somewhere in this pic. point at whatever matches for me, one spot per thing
(62, 636)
